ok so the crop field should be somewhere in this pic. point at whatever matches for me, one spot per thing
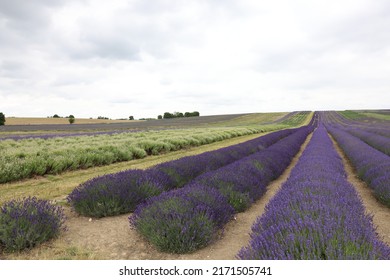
(383, 115)
(25, 156)
(56, 125)
(60, 121)
(301, 185)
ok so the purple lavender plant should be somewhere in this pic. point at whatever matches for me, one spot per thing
(28, 222)
(371, 165)
(183, 170)
(315, 215)
(379, 142)
(244, 181)
(184, 220)
(114, 194)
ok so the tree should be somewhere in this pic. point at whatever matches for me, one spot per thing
(56, 116)
(178, 115)
(193, 114)
(71, 119)
(2, 119)
(131, 118)
(168, 115)
(159, 117)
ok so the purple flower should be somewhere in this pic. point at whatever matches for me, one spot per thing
(28, 222)
(317, 214)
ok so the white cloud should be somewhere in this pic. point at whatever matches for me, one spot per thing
(143, 58)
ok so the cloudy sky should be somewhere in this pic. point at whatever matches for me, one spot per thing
(135, 57)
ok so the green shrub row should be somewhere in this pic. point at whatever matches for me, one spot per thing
(36, 157)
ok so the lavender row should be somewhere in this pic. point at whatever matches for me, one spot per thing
(372, 166)
(338, 121)
(181, 171)
(379, 142)
(245, 181)
(187, 219)
(317, 214)
(119, 193)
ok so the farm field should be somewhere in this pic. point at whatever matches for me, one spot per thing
(50, 125)
(61, 121)
(25, 156)
(221, 192)
(383, 115)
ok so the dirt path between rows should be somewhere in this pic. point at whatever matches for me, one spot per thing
(381, 213)
(112, 238)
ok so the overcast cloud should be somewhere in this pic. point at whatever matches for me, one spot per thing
(118, 58)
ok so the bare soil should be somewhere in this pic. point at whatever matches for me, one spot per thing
(380, 213)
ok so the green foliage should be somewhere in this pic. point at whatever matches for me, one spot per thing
(239, 201)
(56, 116)
(297, 119)
(192, 114)
(168, 115)
(71, 120)
(352, 115)
(159, 117)
(131, 118)
(2, 118)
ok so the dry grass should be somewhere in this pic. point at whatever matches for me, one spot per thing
(54, 250)
(36, 121)
(253, 119)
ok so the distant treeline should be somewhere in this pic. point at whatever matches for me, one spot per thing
(55, 116)
(168, 115)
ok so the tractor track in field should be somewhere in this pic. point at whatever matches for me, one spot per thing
(380, 213)
(111, 238)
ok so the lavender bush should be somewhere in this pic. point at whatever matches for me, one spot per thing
(28, 222)
(114, 194)
(317, 214)
(371, 165)
(184, 220)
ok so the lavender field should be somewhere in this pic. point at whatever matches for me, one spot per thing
(26, 155)
(284, 195)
